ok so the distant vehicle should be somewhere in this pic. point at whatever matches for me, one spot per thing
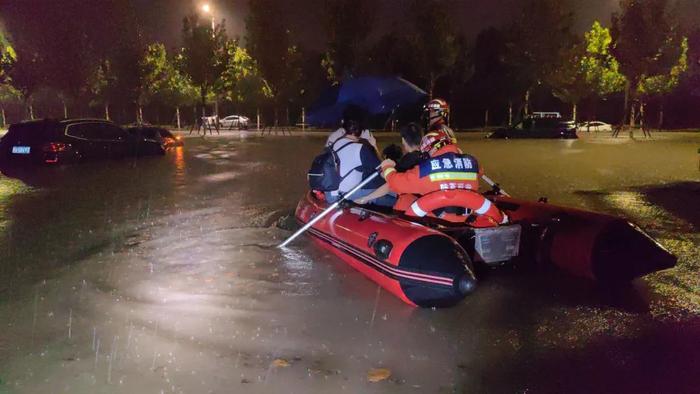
(234, 121)
(66, 141)
(539, 125)
(157, 135)
(548, 115)
(595, 126)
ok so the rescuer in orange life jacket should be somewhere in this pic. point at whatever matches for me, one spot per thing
(445, 167)
(436, 114)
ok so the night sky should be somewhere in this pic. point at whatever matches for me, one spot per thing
(161, 20)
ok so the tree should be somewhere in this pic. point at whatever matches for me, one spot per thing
(8, 57)
(270, 45)
(153, 75)
(568, 81)
(646, 43)
(662, 84)
(586, 69)
(348, 24)
(600, 67)
(8, 94)
(177, 88)
(241, 80)
(434, 41)
(201, 55)
(388, 56)
(27, 76)
(102, 84)
(496, 79)
(541, 31)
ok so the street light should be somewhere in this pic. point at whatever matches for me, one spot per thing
(207, 10)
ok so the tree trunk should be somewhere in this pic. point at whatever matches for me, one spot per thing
(527, 102)
(641, 114)
(140, 115)
(573, 112)
(276, 117)
(3, 117)
(177, 117)
(303, 118)
(288, 122)
(632, 115)
(65, 109)
(486, 119)
(203, 97)
(31, 111)
(106, 110)
(661, 115)
(257, 118)
(510, 113)
(626, 103)
(216, 107)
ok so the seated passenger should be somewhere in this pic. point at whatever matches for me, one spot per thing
(411, 135)
(393, 152)
(354, 113)
(358, 160)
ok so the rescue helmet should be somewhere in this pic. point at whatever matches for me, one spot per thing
(434, 141)
(436, 110)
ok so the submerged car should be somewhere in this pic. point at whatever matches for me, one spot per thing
(51, 141)
(595, 126)
(537, 125)
(157, 135)
(234, 121)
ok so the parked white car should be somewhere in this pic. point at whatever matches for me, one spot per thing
(234, 121)
(594, 126)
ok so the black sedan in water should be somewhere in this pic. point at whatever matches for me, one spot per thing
(538, 127)
(50, 141)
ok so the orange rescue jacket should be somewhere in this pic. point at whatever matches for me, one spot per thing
(448, 169)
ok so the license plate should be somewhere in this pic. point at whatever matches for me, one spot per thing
(497, 244)
(21, 150)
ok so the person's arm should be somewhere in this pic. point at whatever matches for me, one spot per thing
(366, 134)
(381, 191)
(401, 182)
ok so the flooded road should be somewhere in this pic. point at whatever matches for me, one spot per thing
(159, 275)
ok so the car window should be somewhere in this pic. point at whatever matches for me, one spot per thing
(110, 132)
(86, 130)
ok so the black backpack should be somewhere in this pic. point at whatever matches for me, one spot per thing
(324, 174)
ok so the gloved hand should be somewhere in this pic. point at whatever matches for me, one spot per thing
(388, 163)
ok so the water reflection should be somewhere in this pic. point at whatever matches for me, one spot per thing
(162, 262)
(179, 166)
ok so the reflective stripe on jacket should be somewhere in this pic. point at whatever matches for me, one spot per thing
(448, 169)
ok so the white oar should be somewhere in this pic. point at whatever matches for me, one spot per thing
(329, 209)
(494, 184)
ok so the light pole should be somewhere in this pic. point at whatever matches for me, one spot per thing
(207, 10)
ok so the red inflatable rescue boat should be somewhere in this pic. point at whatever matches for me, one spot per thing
(428, 262)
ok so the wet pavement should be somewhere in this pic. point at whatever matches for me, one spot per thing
(159, 275)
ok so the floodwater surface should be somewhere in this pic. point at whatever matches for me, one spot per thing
(159, 275)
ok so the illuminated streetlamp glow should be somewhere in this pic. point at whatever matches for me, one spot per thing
(206, 8)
